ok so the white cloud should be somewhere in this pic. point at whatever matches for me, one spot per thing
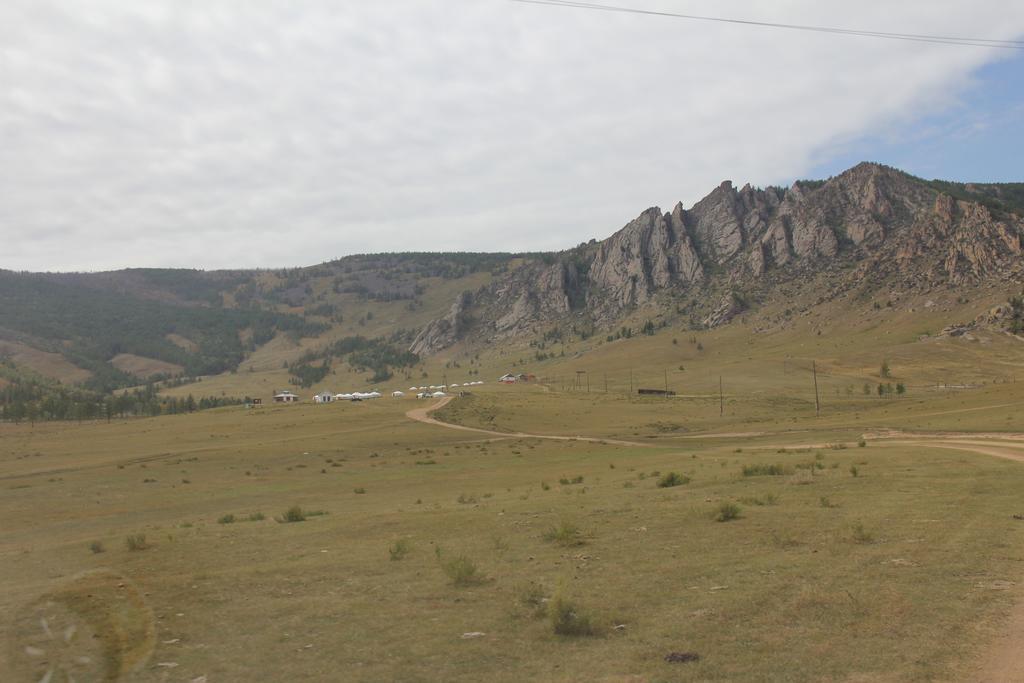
(223, 134)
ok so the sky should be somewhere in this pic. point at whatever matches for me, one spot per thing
(220, 134)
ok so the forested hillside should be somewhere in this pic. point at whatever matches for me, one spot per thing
(91, 325)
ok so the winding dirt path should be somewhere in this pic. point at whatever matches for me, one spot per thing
(423, 415)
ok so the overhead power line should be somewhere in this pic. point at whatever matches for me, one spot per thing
(913, 37)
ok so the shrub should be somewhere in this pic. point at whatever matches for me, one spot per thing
(257, 517)
(465, 500)
(567, 619)
(359, 490)
(399, 549)
(862, 443)
(226, 519)
(764, 469)
(461, 571)
(292, 514)
(96, 547)
(727, 512)
(854, 471)
(544, 486)
(136, 542)
(565, 534)
(672, 479)
(825, 502)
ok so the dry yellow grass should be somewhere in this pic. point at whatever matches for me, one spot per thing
(900, 577)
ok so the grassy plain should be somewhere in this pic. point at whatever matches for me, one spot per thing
(888, 562)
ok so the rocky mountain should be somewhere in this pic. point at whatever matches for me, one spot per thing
(867, 227)
(733, 251)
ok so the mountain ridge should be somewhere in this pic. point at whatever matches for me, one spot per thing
(868, 228)
(869, 225)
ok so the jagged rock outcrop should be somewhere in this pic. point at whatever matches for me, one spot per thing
(726, 310)
(535, 295)
(966, 238)
(868, 224)
(652, 252)
(443, 332)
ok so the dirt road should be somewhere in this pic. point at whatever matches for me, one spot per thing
(423, 415)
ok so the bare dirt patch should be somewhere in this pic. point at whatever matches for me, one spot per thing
(143, 367)
(51, 365)
(183, 342)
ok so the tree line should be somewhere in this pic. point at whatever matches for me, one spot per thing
(29, 400)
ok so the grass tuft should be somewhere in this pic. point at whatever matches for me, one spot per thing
(861, 535)
(461, 571)
(727, 512)
(136, 542)
(565, 534)
(399, 549)
(764, 470)
(567, 619)
(532, 597)
(672, 479)
(291, 515)
(766, 499)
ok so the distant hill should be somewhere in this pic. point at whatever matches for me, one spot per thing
(114, 329)
(868, 230)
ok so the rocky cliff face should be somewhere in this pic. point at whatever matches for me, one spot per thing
(869, 222)
(445, 331)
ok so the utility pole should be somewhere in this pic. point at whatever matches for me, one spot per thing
(631, 383)
(817, 401)
(588, 382)
(606, 382)
(721, 398)
(666, 382)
